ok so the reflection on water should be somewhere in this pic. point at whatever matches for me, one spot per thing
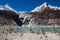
(38, 29)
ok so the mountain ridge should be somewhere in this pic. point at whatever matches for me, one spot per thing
(43, 14)
(45, 6)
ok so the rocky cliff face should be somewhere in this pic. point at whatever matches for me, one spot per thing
(46, 18)
(8, 17)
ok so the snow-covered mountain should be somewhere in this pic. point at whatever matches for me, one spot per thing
(7, 7)
(46, 14)
(43, 14)
(37, 9)
(45, 6)
(35, 18)
(8, 16)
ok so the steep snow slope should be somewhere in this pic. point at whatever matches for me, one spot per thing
(44, 6)
(7, 8)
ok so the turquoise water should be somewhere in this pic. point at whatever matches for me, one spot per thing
(57, 29)
(26, 29)
(37, 29)
(47, 29)
(19, 29)
(22, 29)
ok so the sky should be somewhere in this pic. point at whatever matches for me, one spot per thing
(28, 5)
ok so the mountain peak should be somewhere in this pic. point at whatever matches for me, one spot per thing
(41, 7)
(8, 7)
(44, 6)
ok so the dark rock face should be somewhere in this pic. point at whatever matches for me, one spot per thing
(47, 17)
(9, 18)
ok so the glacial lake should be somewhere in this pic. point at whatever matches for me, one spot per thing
(38, 29)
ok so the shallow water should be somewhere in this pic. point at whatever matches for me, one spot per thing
(47, 29)
(38, 29)
(57, 29)
(22, 29)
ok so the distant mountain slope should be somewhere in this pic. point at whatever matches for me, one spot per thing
(46, 15)
(8, 14)
(7, 17)
(42, 15)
